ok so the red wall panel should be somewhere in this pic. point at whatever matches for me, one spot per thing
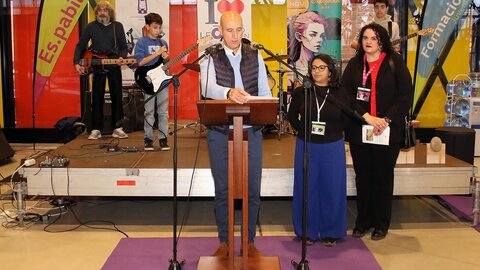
(61, 95)
(183, 31)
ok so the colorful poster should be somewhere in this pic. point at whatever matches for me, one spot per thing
(443, 16)
(131, 15)
(313, 27)
(57, 20)
(209, 12)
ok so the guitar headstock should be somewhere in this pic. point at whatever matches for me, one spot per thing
(426, 31)
(204, 42)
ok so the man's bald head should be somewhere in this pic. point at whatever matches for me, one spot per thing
(231, 28)
(230, 16)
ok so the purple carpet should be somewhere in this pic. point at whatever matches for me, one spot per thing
(461, 206)
(154, 253)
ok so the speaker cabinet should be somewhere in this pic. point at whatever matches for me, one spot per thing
(132, 110)
(6, 152)
(460, 142)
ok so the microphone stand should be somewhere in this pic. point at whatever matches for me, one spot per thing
(174, 264)
(307, 85)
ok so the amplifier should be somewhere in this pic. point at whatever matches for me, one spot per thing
(132, 110)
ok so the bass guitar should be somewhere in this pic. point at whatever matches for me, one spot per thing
(154, 77)
(423, 32)
(98, 62)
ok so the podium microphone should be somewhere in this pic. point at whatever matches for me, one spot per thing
(257, 46)
(214, 48)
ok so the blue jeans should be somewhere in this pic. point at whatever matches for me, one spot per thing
(218, 153)
(162, 111)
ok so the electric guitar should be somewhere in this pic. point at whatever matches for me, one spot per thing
(154, 77)
(423, 32)
(98, 62)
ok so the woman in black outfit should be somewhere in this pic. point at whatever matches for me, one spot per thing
(326, 207)
(380, 89)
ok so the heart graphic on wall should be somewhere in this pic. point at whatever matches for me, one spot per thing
(235, 5)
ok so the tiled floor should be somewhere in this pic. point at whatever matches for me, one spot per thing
(423, 233)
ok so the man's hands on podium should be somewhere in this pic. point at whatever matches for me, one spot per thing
(238, 95)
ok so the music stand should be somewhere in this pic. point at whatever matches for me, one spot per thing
(226, 112)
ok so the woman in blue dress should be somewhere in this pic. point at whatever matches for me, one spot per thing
(326, 198)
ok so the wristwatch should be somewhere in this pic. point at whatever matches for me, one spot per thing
(388, 120)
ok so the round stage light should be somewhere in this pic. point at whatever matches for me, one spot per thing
(449, 106)
(461, 107)
(462, 88)
(460, 121)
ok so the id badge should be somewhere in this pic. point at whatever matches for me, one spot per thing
(318, 128)
(363, 94)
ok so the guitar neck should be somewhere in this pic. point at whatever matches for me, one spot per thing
(397, 41)
(178, 57)
(116, 61)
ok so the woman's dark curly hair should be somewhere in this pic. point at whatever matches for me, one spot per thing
(334, 80)
(382, 35)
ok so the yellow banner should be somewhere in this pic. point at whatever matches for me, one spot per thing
(57, 21)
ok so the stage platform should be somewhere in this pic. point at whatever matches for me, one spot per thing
(95, 171)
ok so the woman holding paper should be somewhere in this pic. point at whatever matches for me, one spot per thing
(326, 207)
(379, 88)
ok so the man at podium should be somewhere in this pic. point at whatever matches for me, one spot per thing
(234, 71)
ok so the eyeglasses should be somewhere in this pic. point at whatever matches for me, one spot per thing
(319, 68)
(372, 38)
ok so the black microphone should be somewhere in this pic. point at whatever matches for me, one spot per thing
(257, 46)
(161, 34)
(214, 48)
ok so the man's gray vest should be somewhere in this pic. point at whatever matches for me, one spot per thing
(226, 77)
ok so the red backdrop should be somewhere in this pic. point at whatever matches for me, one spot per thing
(61, 95)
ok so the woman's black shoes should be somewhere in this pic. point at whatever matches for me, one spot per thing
(358, 232)
(378, 234)
(329, 241)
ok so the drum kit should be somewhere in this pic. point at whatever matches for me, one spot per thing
(282, 125)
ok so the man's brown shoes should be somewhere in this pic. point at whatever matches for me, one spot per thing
(222, 251)
(253, 251)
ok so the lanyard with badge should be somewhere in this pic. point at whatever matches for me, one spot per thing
(318, 128)
(363, 93)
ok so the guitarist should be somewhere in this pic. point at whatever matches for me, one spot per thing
(380, 7)
(107, 37)
(148, 51)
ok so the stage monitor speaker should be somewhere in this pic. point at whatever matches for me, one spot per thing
(6, 152)
(460, 142)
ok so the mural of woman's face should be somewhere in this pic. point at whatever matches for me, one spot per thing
(313, 36)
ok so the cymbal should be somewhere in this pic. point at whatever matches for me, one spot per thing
(194, 67)
(283, 57)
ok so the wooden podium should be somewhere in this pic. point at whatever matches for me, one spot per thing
(226, 112)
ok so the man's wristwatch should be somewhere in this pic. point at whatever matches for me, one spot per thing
(228, 93)
(388, 120)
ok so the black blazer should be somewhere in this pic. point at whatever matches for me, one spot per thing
(394, 95)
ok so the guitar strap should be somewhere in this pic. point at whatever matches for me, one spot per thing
(390, 28)
(115, 49)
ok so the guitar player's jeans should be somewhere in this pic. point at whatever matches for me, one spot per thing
(98, 98)
(161, 100)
